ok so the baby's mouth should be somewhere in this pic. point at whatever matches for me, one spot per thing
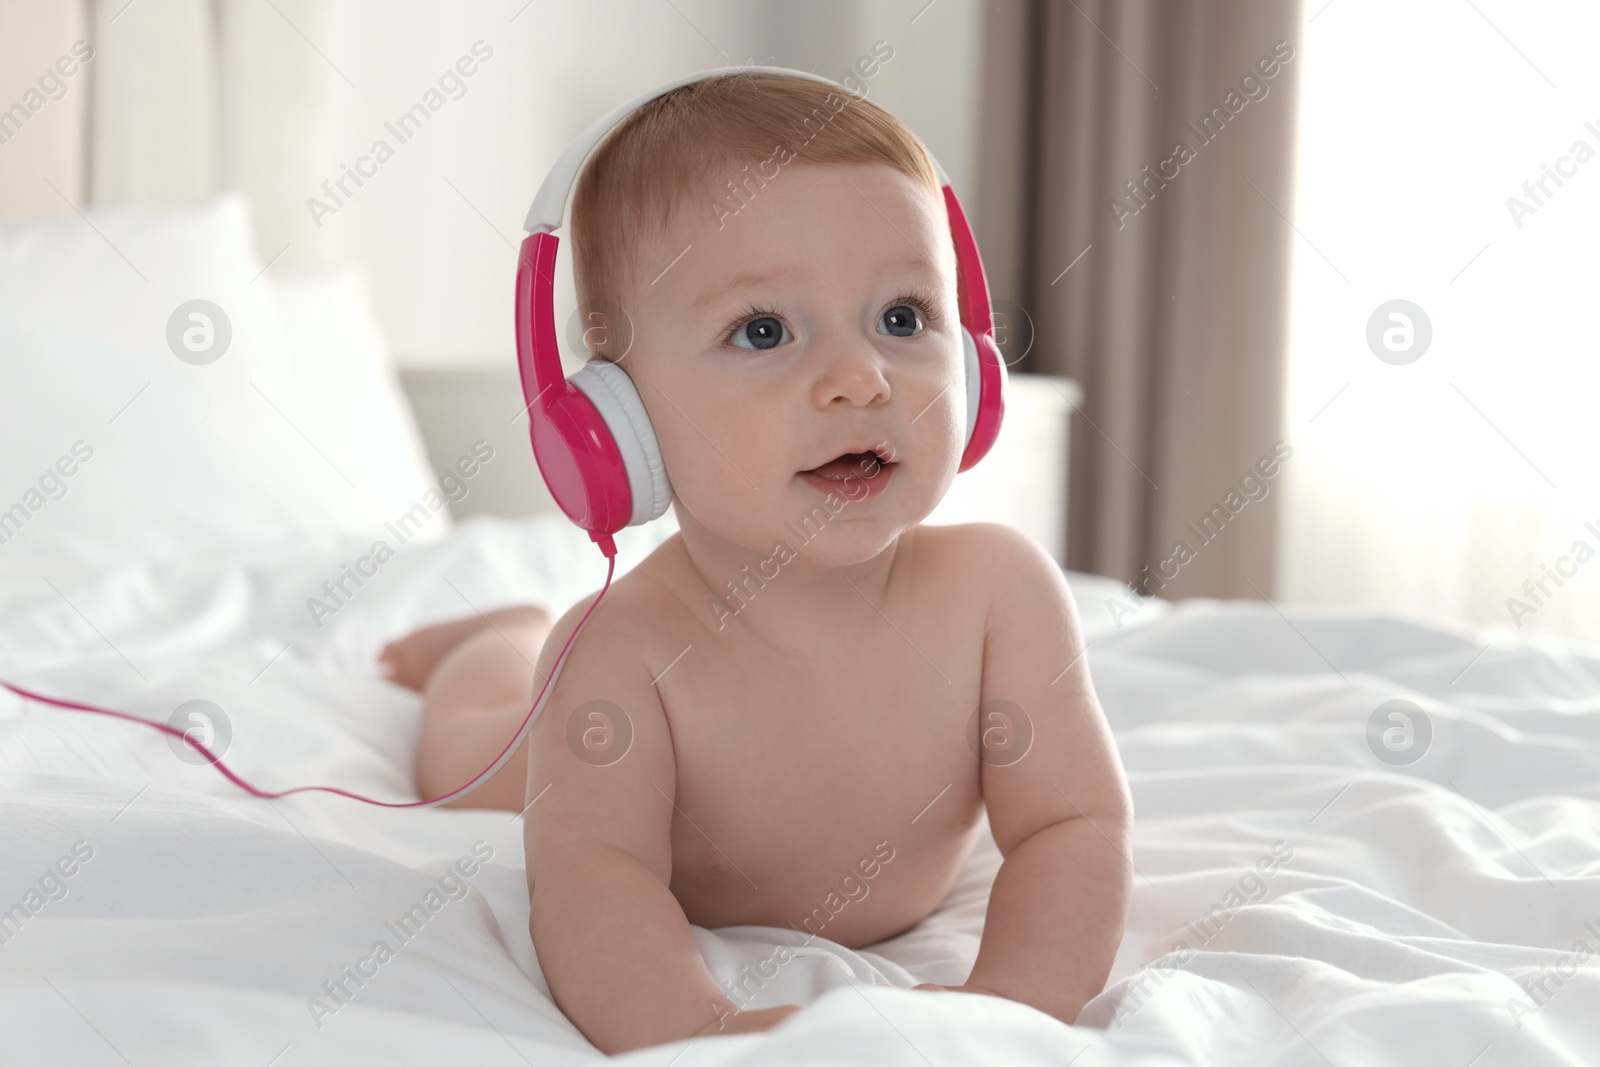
(864, 465)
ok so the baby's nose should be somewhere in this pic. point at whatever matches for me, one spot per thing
(853, 373)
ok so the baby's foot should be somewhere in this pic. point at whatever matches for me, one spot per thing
(410, 661)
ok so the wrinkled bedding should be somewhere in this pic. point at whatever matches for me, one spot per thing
(1303, 894)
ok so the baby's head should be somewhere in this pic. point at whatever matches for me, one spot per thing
(775, 257)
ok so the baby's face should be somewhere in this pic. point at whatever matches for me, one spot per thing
(819, 321)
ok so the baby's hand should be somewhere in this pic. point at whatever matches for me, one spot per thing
(747, 1022)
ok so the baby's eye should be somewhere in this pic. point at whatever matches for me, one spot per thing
(760, 333)
(901, 320)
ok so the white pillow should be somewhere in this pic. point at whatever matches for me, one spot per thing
(114, 450)
(357, 406)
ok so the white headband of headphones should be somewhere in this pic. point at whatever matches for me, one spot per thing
(550, 205)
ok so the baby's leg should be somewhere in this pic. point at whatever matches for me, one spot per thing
(410, 661)
(474, 700)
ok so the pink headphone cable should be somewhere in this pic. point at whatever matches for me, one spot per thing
(504, 757)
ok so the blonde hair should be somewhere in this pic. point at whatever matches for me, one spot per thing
(711, 146)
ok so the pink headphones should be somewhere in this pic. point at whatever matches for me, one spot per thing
(591, 437)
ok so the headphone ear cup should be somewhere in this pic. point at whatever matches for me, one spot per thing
(974, 380)
(985, 373)
(617, 400)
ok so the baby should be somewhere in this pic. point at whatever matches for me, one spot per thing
(804, 688)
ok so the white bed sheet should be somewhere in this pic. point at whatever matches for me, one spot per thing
(1415, 900)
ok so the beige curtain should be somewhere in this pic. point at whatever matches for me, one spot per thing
(1155, 276)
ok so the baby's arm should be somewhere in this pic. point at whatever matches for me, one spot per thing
(1061, 814)
(613, 942)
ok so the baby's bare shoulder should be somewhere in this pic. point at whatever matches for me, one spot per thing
(635, 612)
(980, 554)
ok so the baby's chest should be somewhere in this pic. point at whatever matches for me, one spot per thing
(775, 757)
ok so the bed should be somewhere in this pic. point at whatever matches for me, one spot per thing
(1432, 913)
(1360, 837)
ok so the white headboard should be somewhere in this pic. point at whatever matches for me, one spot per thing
(145, 117)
